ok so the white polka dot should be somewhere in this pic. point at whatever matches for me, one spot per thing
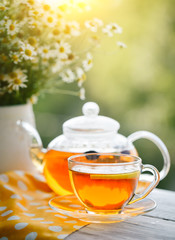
(65, 201)
(29, 214)
(4, 178)
(62, 236)
(31, 236)
(77, 227)
(13, 218)
(42, 207)
(15, 196)
(50, 211)
(40, 178)
(44, 195)
(37, 219)
(55, 228)
(22, 185)
(34, 204)
(6, 213)
(4, 238)
(20, 226)
(74, 206)
(47, 222)
(2, 208)
(19, 173)
(8, 188)
(21, 206)
(60, 216)
(27, 197)
(71, 221)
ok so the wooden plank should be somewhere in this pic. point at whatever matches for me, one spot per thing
(158, 224)
(165, 204)
(140, 227)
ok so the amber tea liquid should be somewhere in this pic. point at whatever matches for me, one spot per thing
(56, 171)
(104, 191)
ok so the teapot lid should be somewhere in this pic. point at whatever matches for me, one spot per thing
(91, 123)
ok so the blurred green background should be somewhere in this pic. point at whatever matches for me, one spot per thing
(135, 86)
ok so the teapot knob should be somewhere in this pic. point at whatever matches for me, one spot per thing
(90, 109)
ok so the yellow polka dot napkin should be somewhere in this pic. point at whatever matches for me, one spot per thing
(24, 210)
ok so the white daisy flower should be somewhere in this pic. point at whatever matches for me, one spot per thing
(33, 23)
(15, 56)
(57, 66)
(82, 94)
(72, 29)
(3, 77)
(87, 63)
(49, 19)
(94, 24)
(112, 28)
(27, 51)
(3, 7)
(33, 99)
(81, 76)
(63, 49)
(121, 45)
(17, 80)
(32, 3)
(12, 27)
(68, 76)
(45, 52)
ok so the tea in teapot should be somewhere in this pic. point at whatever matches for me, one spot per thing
(88, 133)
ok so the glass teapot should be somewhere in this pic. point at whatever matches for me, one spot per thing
(88, 133)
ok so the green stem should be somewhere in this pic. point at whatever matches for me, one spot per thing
(60, 91)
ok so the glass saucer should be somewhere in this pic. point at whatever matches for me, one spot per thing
(69, 205)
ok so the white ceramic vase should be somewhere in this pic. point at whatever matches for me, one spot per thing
(14, 142)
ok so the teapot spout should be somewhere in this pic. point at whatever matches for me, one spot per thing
(35, 147)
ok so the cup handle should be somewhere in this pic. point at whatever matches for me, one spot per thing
(158, 142)
(156, 175)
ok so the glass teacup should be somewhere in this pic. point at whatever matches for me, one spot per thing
(106, 183)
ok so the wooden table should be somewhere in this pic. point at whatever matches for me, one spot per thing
(157, 224)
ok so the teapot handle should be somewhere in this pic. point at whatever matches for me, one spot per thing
(158, 142)
(36, 147)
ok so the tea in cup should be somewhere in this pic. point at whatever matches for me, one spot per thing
(107, 182)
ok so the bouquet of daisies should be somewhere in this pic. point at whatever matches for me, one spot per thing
(43, 47)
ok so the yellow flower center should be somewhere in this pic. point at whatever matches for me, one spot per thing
(12, 27)
(28, 52)
(62, 49)
(2, 8)
(13, 75)
(71, 56)
(92, 24)
(45, 50)
(50, 19)
(67, 30)
(17, 81)
(89, 61)
(34, 24)
(46, 7)
(63, 7)
(114, 27)
(4, 58)
(15, 58)
(13, 36)
(31, 2)
(36, 12)
(56, 32)
(32, 41)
